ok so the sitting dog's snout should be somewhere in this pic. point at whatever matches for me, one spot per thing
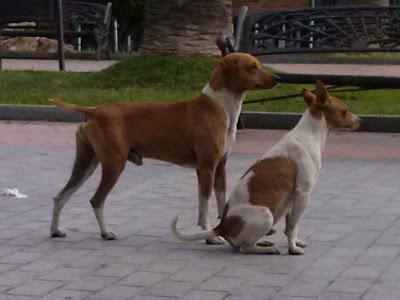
(356, 122)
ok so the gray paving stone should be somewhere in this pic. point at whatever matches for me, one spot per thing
(169, 288)
(339, 296)
(36, 288)
(224, 284)
(193, 274)
(364, 272)
(116, 293)
(91, 283)
(382, 292)
(350, 285)
(62, 294)
(305, 288)
(352, 236)
(201, 295)
(144, 278)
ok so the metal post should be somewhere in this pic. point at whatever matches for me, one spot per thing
(79, 29)
(60, 31)
(115, 35)
(129, 43)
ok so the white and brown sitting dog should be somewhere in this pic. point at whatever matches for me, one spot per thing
(197, 133)
(280, 183)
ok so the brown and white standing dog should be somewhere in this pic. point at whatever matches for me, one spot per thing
(197, 133)
(279, 184)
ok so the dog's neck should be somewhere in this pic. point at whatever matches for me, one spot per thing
(311, 130)
(230, 102)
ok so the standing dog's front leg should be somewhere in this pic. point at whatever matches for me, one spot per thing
(300, 199)
(220, 186)
(205, 180)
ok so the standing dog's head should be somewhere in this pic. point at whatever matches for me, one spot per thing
(241, 72)
(335, 111)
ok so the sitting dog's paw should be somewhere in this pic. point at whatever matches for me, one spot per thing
(271, 232)
(218, 240)
(296, 251)
(108, 236)
(58, 233)
(301, 244)
(265, 244)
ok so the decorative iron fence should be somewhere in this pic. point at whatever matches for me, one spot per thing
(328, 29)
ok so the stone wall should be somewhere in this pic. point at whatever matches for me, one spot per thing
(260, 5)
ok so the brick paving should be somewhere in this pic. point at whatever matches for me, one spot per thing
(352, 226)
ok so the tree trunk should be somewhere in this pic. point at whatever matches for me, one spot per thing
(185, 27)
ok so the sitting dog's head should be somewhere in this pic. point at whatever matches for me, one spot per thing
(241, 72)
(335, 111)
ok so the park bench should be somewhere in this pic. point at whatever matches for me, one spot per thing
(319, 30)
(57, 19)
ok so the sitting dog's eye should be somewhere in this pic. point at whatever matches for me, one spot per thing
(344, 112)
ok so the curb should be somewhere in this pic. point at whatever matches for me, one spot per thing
(265, 120)
(249, 119)
(37, 113)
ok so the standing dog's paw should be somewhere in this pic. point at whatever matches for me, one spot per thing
(109, 236)
(301, 244)
(296, 251)
(58, 233)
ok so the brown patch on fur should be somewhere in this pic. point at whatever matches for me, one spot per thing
(239, 72)
(273, 179)
(229, 227)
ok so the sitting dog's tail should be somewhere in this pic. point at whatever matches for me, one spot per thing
(206, 234)
(86, 110)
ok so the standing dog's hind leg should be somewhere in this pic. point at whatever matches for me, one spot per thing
(259, 222)
(111, 170)
(84, 166)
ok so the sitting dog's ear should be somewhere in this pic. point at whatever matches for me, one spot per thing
(225, 46)
(321, 92)
(309, 97)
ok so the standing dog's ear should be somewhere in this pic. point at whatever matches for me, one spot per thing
(225, 46)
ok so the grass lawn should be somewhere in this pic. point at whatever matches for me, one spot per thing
(164, 79)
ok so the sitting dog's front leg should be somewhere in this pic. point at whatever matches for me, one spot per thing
(292, 222)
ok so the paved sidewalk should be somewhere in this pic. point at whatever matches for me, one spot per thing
(352, 227)
(74, 65)
(338, 69)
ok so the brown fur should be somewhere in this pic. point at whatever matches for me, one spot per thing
(273, 179)
(190, 133)
(229, 227)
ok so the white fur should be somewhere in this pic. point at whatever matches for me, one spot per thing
(232, 105)
(304, 145)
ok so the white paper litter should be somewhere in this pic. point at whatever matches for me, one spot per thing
(13, 192)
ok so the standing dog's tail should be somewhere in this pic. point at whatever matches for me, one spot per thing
(206, 234)
(86, 110)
